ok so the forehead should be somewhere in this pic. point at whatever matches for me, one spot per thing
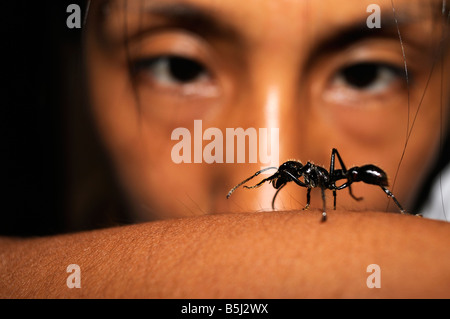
(290, 7)
(257, 18)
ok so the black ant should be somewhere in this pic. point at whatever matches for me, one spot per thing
(316, 176)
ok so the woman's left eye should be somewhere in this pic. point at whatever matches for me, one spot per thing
(369, 77)
(172, 70)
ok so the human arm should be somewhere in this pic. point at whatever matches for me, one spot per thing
(255, 255)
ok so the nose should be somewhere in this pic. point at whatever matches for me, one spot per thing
(273, 100)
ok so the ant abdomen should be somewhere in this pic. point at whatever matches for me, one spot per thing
(369, 174)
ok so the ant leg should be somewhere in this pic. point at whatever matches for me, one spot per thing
(389, 193)
(300, 183)
(324, 210)
(275, 196)
(344, 170)
(333, 153)
(246, 180)
(334, 195)
(308, 198)
(295, 179)
(354, 197)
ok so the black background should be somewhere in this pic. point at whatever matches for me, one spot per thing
(34, 36)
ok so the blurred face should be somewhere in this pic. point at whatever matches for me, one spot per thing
(312, 69)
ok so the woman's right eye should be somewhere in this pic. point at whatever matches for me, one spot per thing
(172, 70)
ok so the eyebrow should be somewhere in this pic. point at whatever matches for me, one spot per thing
(391, 25)
(210, 23)
(204, 21)
(343, 37)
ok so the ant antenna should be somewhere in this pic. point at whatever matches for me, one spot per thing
(246, 180)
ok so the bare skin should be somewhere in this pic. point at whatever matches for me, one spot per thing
(265, 255)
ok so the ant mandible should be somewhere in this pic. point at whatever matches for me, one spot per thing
(316, 176)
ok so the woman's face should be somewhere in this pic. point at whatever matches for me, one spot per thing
(313, 69)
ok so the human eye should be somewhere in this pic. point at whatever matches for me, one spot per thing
(172, 70)
(368, 78)
(361, 86)
(175, 72)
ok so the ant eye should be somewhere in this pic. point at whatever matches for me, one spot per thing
(373, 77)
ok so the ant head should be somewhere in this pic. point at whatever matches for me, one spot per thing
(291, 166)
(280, 178)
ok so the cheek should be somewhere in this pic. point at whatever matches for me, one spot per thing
(112, 101)
(371, 136)
(376, 134)
(140, 148)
